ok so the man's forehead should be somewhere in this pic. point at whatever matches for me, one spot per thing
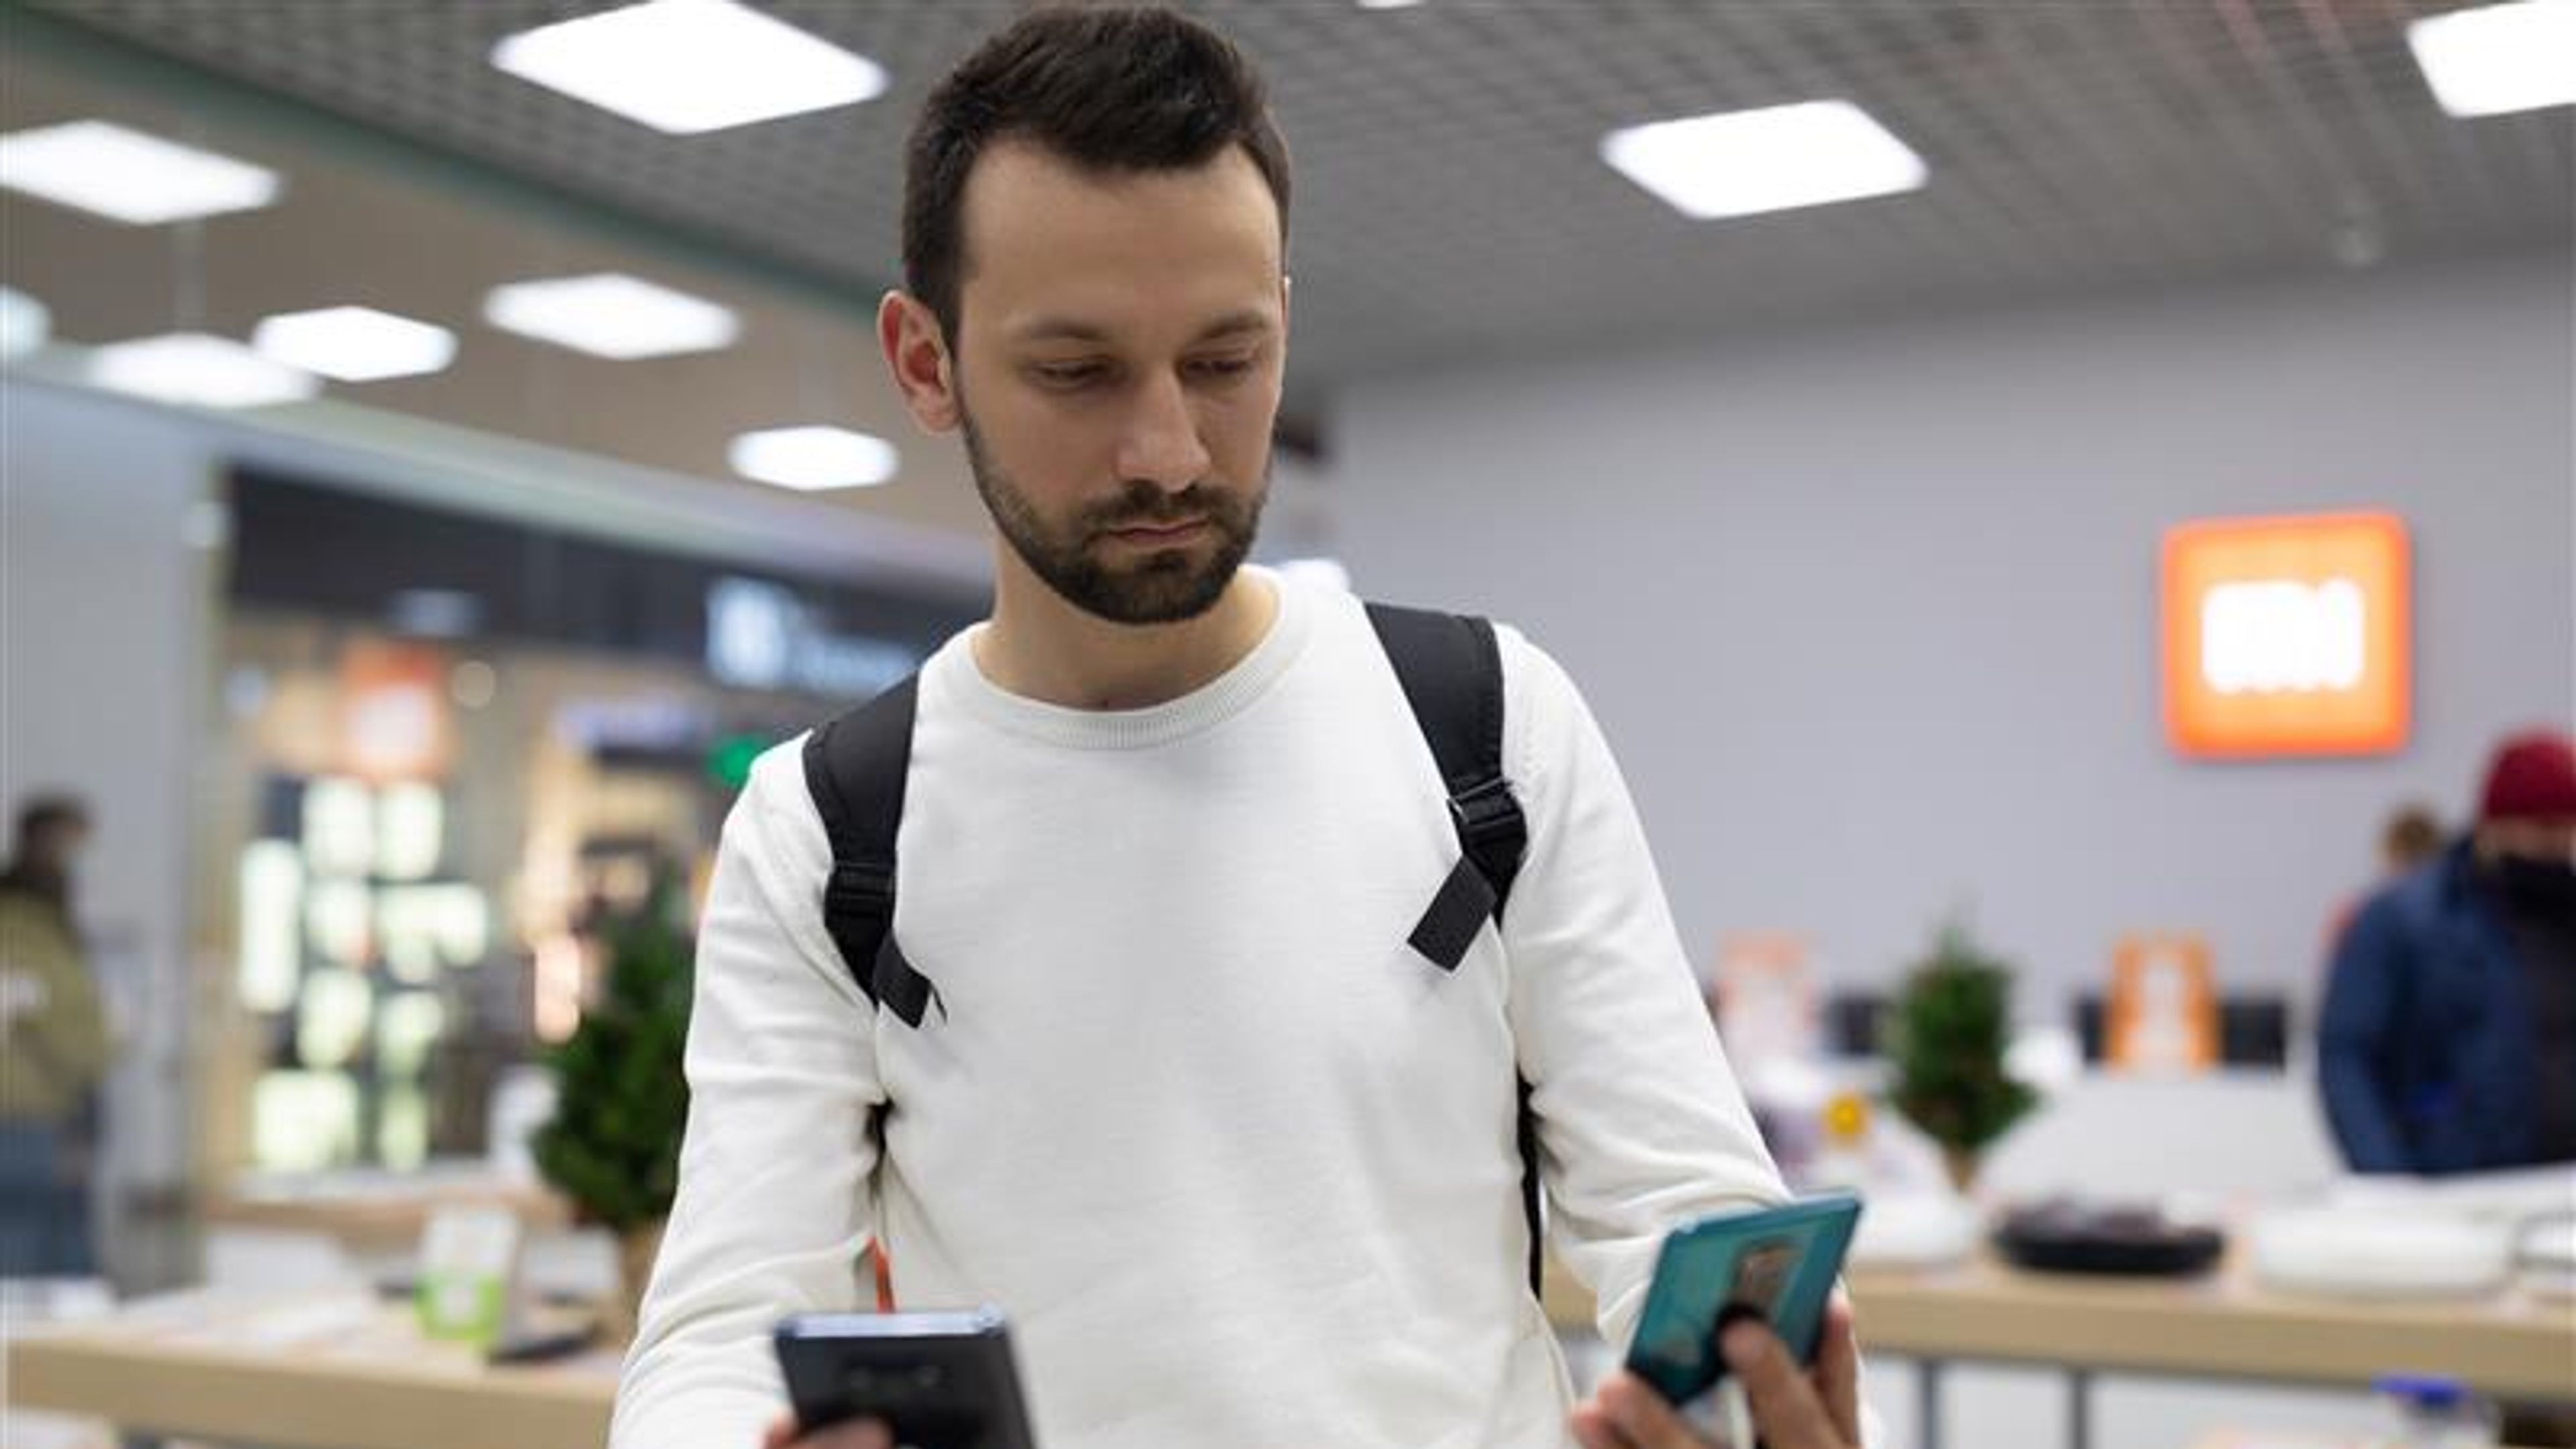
(1030, 216)
(1011, 166)
(1067, 327)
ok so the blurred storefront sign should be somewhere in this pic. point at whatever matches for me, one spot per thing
(465, 748)
(2287, 636)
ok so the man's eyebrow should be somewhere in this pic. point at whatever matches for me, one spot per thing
(1236, 324)
(1068, 329)
(1058, 329)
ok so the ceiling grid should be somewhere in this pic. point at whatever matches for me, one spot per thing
(1452, 205)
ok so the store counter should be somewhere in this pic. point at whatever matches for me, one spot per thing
(2273, 1439)
(2516, 1345)
(374, 1212)
(328, 1370)
(345, 1370)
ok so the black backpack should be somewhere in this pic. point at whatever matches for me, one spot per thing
(1452, 673)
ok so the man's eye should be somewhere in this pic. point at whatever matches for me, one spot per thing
(1222, 367)
(1068, 374)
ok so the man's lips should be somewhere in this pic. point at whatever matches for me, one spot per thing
(1159, 533)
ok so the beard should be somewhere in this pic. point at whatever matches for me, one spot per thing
(1159, 586)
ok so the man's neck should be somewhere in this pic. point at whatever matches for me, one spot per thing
(1039, 646)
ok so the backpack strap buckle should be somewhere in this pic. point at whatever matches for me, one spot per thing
(860, 890)
(1492, 829)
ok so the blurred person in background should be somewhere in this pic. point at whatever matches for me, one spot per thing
(56, 1053)
(2448, 1040)
(2411, 836)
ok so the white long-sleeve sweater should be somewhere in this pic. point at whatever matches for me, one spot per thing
(1237, 1162)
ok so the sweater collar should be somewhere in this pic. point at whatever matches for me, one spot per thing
(956, 679)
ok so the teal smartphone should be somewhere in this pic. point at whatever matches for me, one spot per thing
(1778, 1264)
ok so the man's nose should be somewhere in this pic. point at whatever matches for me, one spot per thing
(1161, 443)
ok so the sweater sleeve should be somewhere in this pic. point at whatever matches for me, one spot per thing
(771, 1213)
(1641, 1124)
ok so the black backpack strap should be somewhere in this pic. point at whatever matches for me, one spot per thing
(1452, 672)
(855, 768)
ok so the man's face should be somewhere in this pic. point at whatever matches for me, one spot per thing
(62, 846)
(2548, 841)
(1117, 367)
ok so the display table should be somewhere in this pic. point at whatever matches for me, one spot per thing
(2515, 1346)
(2275, 1439)
(311, 1371)
(347, 1371)
(377, 1213)
(2224, 1326)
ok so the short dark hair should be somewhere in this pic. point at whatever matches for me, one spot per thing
(45, 818)
(2412, 836)
(1110, 90)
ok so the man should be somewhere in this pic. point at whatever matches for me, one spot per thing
(2448, 1041)
(2410, 836)
(54, 1053)
(1239, 1162)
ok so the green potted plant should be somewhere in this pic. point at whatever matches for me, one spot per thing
(1952, 1023)
(613, 1148)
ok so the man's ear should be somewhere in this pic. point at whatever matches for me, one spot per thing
(916, 353)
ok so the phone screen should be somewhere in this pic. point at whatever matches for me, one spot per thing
(1761, 1273)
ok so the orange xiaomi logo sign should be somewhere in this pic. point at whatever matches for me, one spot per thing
(2286, 636)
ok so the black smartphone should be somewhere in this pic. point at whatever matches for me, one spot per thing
(941, 1380)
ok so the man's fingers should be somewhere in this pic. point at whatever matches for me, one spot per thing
(857, 1434)
(1838, 1368)
(1642, 1417)
(1593, 1429)
(1784, 1404)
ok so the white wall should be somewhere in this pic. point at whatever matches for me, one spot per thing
(1871, 617)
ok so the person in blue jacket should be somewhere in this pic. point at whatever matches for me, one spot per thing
(2448, 1041)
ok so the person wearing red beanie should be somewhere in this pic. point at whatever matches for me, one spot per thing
(2448, 1040)
(2530, 797)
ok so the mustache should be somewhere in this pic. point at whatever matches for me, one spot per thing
(1145, 506)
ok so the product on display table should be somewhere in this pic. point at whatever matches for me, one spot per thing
(2388, 1236)
(2379, 1252)
(1916, 1230)
(2547, 1255)
(2070, 1235)
(2427, 1411)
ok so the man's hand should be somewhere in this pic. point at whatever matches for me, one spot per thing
(1789, 1411)
(857, 1434)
